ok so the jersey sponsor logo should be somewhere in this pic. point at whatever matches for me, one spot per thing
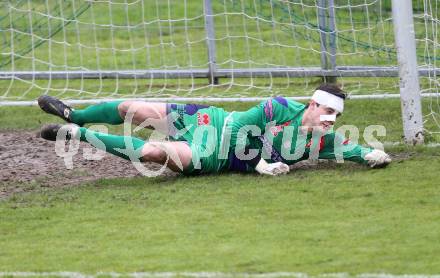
(203, 119)
(278, 128)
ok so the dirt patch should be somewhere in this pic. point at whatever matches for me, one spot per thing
(27, 159)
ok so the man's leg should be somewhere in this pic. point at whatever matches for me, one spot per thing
(116, 112)
(106, 112)
(139, 111)
(178, 154)
(113, 112)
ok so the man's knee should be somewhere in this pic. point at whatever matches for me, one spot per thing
(153, 153)
(142, 110)
(124, 106)
(176, 154)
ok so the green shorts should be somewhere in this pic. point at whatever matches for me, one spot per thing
(202, 128)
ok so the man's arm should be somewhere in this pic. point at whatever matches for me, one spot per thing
(337, 147)
(273, 110)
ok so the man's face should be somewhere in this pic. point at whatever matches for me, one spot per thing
(316, 111)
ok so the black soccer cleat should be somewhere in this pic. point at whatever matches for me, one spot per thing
(52, 132)
(55, 107)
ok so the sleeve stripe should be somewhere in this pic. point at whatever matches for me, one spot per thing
(268, 110)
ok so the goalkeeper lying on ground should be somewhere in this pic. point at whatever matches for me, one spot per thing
(206, 139)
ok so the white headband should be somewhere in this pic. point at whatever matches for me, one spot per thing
(330, 100)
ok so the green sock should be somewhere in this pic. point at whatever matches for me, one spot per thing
(110, 143)
(106, 113)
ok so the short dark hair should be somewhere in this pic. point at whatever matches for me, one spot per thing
(333, 89)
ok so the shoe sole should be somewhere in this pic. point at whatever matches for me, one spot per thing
(45, 103)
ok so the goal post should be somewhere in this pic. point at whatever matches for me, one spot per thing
(409, 79)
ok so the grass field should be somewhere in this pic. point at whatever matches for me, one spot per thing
(343, 219)
(328, 218)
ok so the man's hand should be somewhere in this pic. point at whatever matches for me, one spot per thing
(272, 169)
(378, 159)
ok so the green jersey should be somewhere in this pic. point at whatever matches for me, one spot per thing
(202, 128)
(271, 130)
(281, 139)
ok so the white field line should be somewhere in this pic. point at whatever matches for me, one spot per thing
(210, 275)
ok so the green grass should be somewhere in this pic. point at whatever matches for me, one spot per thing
(343, 219)
(337, 218)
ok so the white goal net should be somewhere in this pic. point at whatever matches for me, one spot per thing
(78, 49)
